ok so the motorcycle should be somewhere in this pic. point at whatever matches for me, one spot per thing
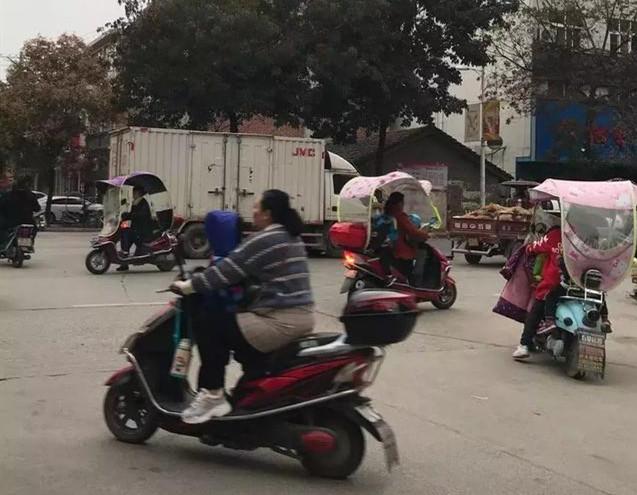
(360, 201)
(18, 244)
(159, 252)
(598, 243)
(305, 403)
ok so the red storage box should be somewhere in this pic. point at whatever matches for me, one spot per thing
(346, 235)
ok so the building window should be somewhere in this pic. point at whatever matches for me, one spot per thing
(564, 29)
(622, 35)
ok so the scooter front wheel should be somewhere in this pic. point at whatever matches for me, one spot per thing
(348, 452)
(127, 413)
(97, 262)
(447, 296)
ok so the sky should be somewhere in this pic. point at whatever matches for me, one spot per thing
(21, 20)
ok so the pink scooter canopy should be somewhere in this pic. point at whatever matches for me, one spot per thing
(598, 226)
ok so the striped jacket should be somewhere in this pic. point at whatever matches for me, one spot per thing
(277, 260)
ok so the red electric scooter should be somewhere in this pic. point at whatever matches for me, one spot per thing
(430, 281)
(360, 201)
(159, 252)
(306, 402)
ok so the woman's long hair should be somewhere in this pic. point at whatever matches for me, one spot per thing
(394, 199)
(278, 204)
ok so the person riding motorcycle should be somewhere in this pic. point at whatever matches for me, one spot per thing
(18, 206)
(276, 257)
(142, 228)
(403, 253)
(551, 246)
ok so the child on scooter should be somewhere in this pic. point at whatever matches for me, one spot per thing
(553, 297)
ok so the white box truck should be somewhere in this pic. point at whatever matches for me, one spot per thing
(206, 171)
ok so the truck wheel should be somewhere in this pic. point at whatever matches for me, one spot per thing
(473, 259)
(195, 242)
(331, 251)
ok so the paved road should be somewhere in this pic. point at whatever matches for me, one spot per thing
(468, 419)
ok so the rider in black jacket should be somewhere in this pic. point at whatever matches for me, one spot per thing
(18, 206)
(142, 225)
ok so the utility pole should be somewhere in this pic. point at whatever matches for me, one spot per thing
(483, 145)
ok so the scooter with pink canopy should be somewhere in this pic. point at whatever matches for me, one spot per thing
(598, 245)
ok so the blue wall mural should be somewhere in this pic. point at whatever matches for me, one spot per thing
(561, 134)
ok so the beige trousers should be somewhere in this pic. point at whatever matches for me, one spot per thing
(269, 329)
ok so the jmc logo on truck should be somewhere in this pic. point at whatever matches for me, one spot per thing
(310, 152)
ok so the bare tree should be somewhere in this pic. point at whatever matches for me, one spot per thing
(571, 51)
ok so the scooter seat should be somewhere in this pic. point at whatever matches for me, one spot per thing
(288, 356)
(293, 348)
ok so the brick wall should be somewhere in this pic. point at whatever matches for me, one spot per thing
(264, 125)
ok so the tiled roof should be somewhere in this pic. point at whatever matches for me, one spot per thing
(364, 149)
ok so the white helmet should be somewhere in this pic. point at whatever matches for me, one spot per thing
(552, 207)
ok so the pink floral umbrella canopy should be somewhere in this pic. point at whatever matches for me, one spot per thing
(361, 195)
(598, 226)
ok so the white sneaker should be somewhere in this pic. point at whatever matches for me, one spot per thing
(205, 406)
(522, 352)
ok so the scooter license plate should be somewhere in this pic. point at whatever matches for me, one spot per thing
(350, 274)
(25, 242)
(592, 352)
(385, 432)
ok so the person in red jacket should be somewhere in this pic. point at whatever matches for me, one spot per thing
(551, 246)
(404, 251)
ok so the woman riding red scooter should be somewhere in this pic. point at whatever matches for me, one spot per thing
(393, 252)
(402, 253)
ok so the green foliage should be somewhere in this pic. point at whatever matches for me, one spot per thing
(194, 63)
(377, 61)
(53, 92)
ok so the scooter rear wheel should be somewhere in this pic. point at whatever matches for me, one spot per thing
(347, 454)
(572, 361)
(360, 284)
(97, 262)
(18, 259)
(127, 413)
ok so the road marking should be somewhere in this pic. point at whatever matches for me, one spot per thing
(89, 306)
(118, 305)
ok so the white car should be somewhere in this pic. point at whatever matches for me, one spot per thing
(41, 197)
(68, 209)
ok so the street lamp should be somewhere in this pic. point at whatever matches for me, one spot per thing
(483, 143)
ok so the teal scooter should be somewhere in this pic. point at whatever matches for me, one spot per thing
(597, 247)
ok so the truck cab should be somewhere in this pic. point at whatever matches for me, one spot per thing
(338, 172)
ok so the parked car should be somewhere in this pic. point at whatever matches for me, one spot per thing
(42, 197)
(71, 209)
